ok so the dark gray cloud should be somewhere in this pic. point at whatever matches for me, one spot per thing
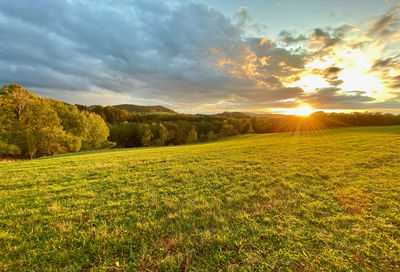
(80, 45)
(289, 38)
(333, 70)
(395, 81)
(330, 36)
(331, 76)
(275, 94)
(386, 66)
(331, 98)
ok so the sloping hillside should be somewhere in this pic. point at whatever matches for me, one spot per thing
(324, 200)
(144, 109)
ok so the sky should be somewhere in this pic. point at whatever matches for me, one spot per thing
(206, 56)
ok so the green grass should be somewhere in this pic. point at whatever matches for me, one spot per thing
(324, 200)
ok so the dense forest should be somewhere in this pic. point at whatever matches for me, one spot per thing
(31, 126)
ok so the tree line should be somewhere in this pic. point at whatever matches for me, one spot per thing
(159, 133)
(31, 126)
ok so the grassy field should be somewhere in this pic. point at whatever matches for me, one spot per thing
(324, 200)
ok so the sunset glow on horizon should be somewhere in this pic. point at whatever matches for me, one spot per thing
(302, 110)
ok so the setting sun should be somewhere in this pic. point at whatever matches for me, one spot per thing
(303, 110)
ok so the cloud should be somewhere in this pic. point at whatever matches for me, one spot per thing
(333, 70)
(185, 55)
(328, 37)
(334, 98)
(274, 94)
(395, 81)
(242, 17)
(331, 98)
(162, 48)
(289, 38)
(386, 24)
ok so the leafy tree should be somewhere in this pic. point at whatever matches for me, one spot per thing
(115, 115)
(19, 98)
(98, 132)
(247, 128)
(211, 136)
(73, 143)
(160, 134)
(73, 121)
(8, 149)
(146, 135)
(34, 126)
(177, 132)
(131, 134)
(99, 110)
(82, 107)
(262, 125)
(40, 130)
(227, 130)
(192, 136)
(236, 124)
(31, 124)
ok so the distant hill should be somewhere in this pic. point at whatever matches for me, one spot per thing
(248, 114)
(144, 109)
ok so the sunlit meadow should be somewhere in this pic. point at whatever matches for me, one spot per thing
(307, 201)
